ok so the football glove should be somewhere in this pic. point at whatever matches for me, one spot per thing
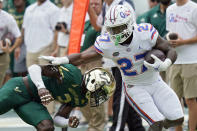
(55, 60)
(158, 65)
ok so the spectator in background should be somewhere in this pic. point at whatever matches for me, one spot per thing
(122, 113)
(157, 17)
(38, 32)
(19, 62)
(142, 18)
(96, 117)
(63, 28)
(8, 25)
(181, 18)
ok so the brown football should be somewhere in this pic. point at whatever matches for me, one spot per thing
(160, 54)
(171, 36)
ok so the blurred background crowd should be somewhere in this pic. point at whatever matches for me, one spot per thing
(42, 27)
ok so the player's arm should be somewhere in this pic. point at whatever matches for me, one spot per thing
(76, 59)
(85, 57)
(62, 119)
(35, 72)
(166, 47)
(170, 53)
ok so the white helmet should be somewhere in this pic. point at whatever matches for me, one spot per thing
(100, 85)
(119, 22)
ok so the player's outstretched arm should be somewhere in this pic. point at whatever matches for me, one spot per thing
(62, 118)
(36, 77)
(86, 56)
(76, 59)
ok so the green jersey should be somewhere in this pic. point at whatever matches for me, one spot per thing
(157, 19)
(69, 90)
(142, 18)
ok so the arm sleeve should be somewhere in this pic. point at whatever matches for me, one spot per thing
(13, 27)
(97, 46)
(101, 45)
(153, 35)
(35, 75)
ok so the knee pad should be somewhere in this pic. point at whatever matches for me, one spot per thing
(171, 123)
(157, 126)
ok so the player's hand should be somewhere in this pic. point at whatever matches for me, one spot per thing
(5, 46)
(55, 60)
(73, 122)
(177, 42)
(158, 65)
(45, 96)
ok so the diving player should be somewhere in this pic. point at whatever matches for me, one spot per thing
(64, 83)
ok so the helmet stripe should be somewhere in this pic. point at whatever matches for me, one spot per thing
(110, 15)
(114, 13)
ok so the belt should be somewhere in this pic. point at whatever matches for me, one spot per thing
(25, 80)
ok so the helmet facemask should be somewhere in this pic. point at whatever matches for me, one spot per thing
(121, 33)
(100, 85)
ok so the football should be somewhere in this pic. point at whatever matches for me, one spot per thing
(160, 54)
(171, 36)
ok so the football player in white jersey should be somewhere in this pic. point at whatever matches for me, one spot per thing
(127, 43)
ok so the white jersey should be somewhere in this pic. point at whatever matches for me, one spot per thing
(183, 20)
(130, 59)
(8, 25)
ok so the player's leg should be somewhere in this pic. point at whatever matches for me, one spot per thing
(141, 100)
(36, 115)
(13, 94)
(122, 112)
(168, 104)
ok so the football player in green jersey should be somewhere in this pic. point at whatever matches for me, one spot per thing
(64, 83)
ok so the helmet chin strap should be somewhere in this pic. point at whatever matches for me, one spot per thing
(117, 39)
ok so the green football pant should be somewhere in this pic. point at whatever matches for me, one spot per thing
(14, 95)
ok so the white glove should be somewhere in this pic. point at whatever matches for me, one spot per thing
(76, 113)
(55, 60)
(158, 65)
